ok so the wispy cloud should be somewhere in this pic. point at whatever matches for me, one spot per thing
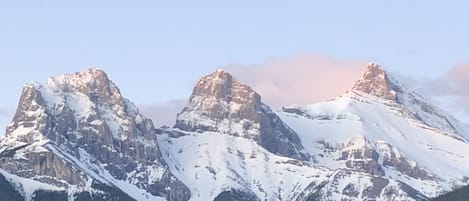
(163, 113)
(302, 79)
(458, 78)
(451, 90)
(308, 79)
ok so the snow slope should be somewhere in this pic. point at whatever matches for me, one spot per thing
(408, 128)
(211, 163)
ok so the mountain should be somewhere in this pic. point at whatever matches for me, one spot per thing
(219, 103)
(77, 138)
(382, 128)
(218, 140)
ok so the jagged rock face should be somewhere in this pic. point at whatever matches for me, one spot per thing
(84, 116)
(219, 97)
(53, 168)
(219, 103)
(371, 157)
(375, 82)
(360, 156)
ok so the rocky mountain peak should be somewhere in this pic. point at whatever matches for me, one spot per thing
(219, 96)
(220, 103)
(222, 85)
(83, 116)
(375, 82)
(86, 98)
(92, 82)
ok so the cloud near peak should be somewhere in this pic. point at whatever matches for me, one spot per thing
(302, 79)
(456, 84)
(307, 79)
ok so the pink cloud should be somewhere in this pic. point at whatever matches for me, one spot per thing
(450, 91)
(300, 80)
(307, 79)
(459, 75)
(458, 84)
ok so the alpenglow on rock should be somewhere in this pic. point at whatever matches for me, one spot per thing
(77, 132)
(375, 82)
(220, 103)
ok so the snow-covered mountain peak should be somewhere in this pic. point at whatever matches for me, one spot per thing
(378, 86)
(216, 97)
(375, 81)
(84, 76)
(222, 85)
(219, 103)
(88, 97)
(92, 82)
(385, 128)
(80, 123)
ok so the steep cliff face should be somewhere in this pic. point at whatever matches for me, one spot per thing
(375, 81)
(220, 103)
(78, 127)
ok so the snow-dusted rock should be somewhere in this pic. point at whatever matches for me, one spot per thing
(220, 103)
(375, 81)
(78, 129)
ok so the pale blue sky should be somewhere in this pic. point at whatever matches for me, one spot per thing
(155, 50)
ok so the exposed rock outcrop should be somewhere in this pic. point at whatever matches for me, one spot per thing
(372, 157)
(375, 82)
(220, 103)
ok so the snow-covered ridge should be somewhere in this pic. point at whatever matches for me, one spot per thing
(384, 124)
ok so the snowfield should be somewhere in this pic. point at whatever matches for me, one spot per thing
(380, 121)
